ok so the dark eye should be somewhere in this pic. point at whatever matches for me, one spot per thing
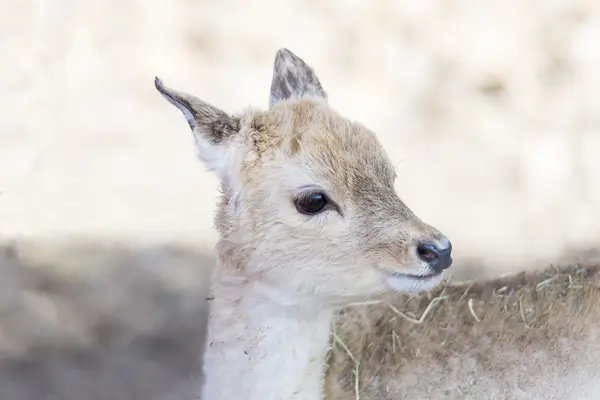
(311, 203)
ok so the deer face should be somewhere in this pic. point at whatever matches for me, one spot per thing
(310, 199)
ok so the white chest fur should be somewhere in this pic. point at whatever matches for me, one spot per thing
(267, 355)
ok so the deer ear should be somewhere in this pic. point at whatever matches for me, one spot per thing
(212, 128)
(293, 79)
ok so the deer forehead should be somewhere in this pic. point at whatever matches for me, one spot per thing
(306, 143)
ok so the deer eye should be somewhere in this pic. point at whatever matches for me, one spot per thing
(311, 203)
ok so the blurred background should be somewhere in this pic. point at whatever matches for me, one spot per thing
(491, 111)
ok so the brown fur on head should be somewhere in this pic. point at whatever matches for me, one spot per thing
(278, 166)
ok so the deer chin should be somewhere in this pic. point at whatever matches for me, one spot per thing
(407, 282)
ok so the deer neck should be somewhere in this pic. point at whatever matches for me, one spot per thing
(257, 348)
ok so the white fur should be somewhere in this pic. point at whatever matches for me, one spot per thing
(215, 158)
(271, 353)
(410, 284)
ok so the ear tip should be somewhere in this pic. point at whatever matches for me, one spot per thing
(283, 53)
(284, 50)
(158, 84)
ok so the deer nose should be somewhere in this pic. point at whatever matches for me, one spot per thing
(437, 255)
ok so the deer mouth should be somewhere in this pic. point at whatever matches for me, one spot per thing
(420, 277)
(406, 282)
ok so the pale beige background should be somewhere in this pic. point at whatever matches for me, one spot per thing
(491, 110)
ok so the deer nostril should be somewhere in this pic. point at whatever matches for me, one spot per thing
(436, 257)
(428, 252)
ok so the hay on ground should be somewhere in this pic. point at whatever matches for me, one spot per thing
(530, 335)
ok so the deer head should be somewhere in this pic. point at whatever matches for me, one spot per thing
(310, 212)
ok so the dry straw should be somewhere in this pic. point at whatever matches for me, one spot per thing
(376, 345)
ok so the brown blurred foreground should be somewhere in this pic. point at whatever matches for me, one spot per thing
(89, 319)
(99, 322)
(533, 335)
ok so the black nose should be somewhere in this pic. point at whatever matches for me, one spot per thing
(438, 258)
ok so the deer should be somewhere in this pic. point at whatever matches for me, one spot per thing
(529, 334)
(309, 221)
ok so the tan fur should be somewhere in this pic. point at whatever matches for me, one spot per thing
(529, 336)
